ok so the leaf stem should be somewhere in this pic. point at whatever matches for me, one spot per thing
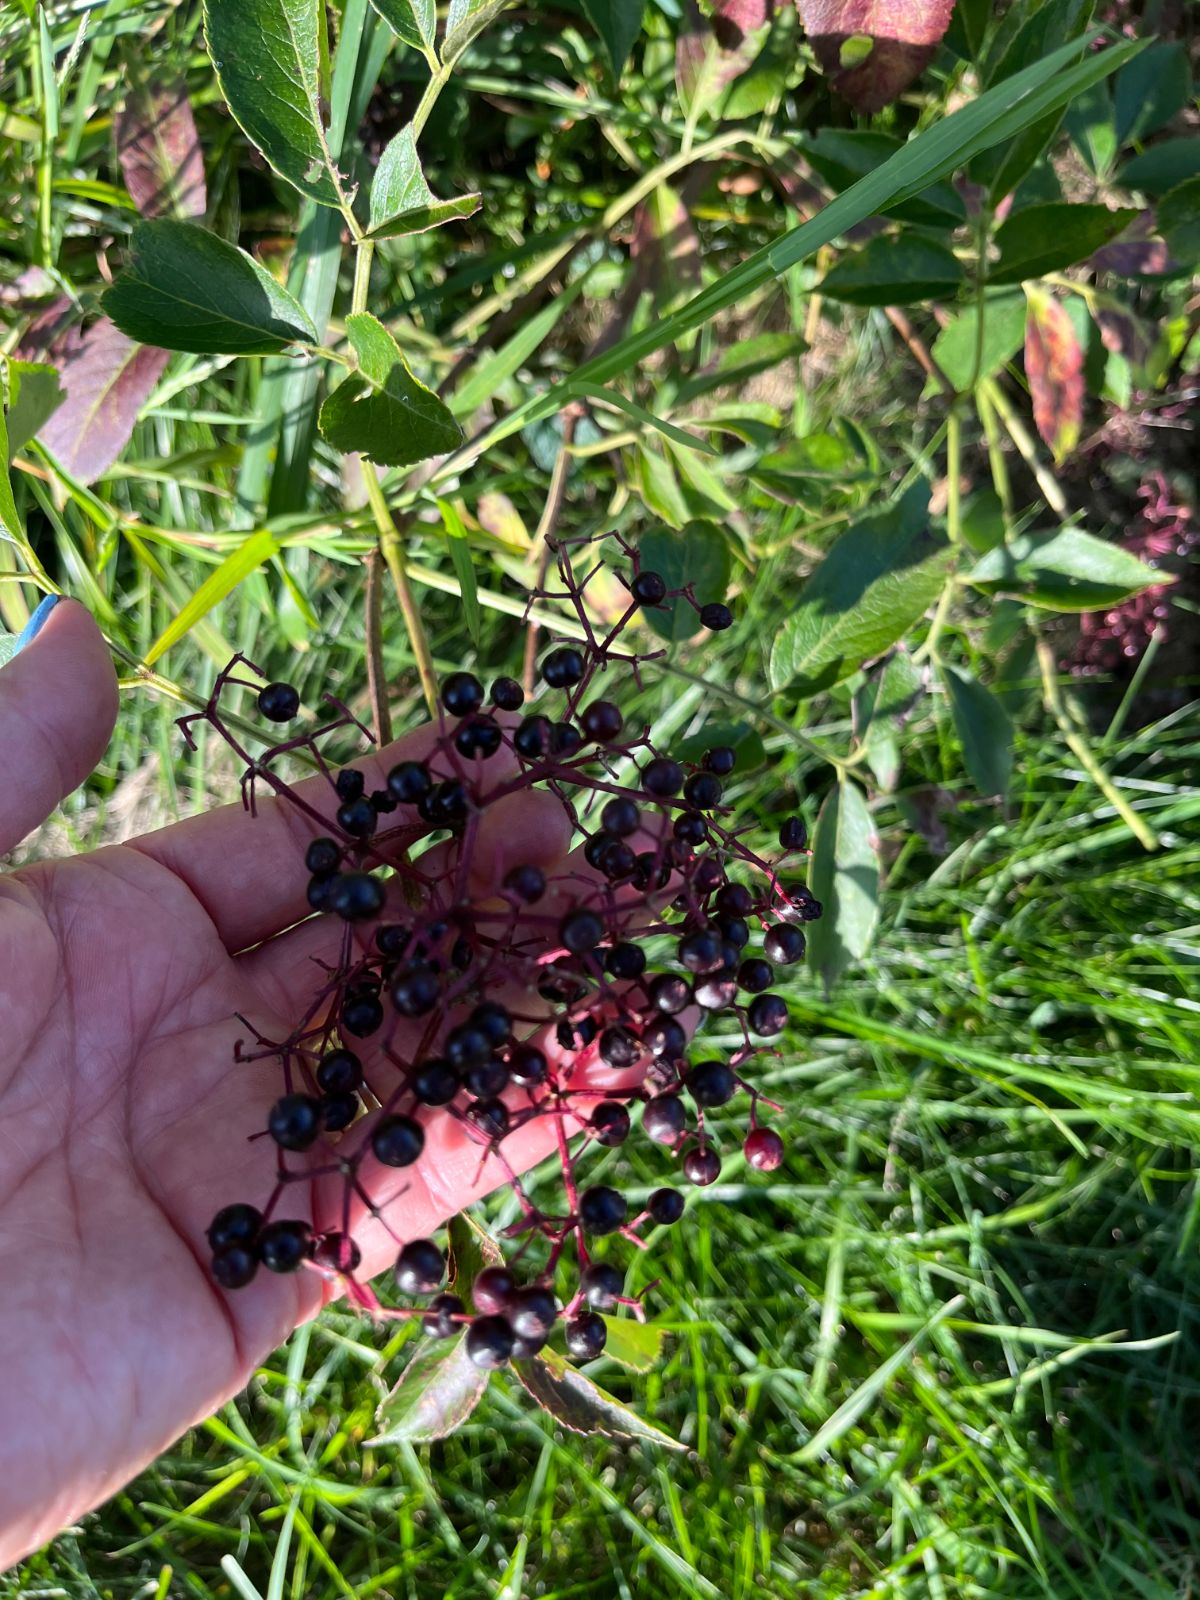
(391, 547)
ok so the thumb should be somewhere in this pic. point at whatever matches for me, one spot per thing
(58, 706)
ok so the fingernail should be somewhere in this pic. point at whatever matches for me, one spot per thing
(36, 622)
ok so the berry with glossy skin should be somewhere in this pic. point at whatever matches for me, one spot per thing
(435, 1082)
(702, 1167)
(716, 616)
(284, 1246)
(349, 784)
(526, 1346)
(754, 975)
(409, 782)
(527, 883)
(295, 1121)
(580, 931)
(625, 961)
(721, 760)
(764, 1149)
(438, 1322)
(467, 1046)
(336, 1252)
(665, 1038)
(338, 1111)
(793, 835)
(717, 991)
(318, 893)
(527, 1066)
(487, 1079)
(355, 896)
(532, 1311)
(802, 904)
(576, 1033)
(490, 1342)
(507, 694)
(586, 1336)
(234, 1266)
(610, 1123)
(563, 668)
(445, 804)
(650, 872)
(565, 738)
(690, 829)
(734, 931)
(617, 861)
(397, 1141)
(601, 1285)
(322, 857)
(490, 1116)
(648, 589)
(662, 778)
(492, 1019)
(601, 721)
(362, 1015)
(278, 702)
(415, 993)
(618, 1047)
(664, 1119)
(462, 693)
(734, 900)
(358, 817)
(767, 1014)
(621, 816)
(479, 738)
(420, 1268)
(392, 940)
(701, 951)
(665, 1206)
(236, 1224)
(601, 1209)
(340, 1072)
(534, 738)
(784, 944)
(493, 1290)
(669, 993)
(711, 1083)
(702, 791)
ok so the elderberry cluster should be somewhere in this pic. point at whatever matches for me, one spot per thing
(573, 997)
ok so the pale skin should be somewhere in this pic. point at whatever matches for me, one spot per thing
(124, 1118)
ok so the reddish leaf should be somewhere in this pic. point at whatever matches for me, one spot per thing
(583, 1406)
(1137, 253)
(107, 379)
(1054, 368)
(1123, 333)
(873, 49)
(713, 51)
(160, 153)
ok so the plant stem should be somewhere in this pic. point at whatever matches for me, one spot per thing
(364, 254)
(381, 715)
(391, 547)
(547, 524)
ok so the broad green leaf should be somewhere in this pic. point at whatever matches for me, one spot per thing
(844, 876)
(272, 63)
(633, 1344)
(185, 289)
(435, 1394)
(874, 583)
(618, 22)
(1162, 166)
(984, 730)
(954, 349)
(471, 1249)
(1089, 122)
(658, 484)
(1150, 90)
(894, 272)
(220, 583)
(412, 21)
(381, 410)
(1065, 570)
(983, 521)
(402, 202)
(741, 737)
(843, 155)
(34, 395)
(1179, 221)
(583, 1406)
(1046, 238)
(464, 570)
(900, 686)
(698, 555)
(465, 21)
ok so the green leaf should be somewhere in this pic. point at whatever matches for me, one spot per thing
(620, 402)
(1179, 221)
(1046, 238)
(844, 876)
(220, 583)
(1064, 570)
(843, 155)
(1150, 90)
(984, 730)
(471, 1249)
(436, 1393)
(742, 738)
(465, 21)
(1162, 166)
(1003, 335)
(583, 1406)
(34, 395)
(618, 22)
(900, 686)
(185, 289)
(464, 570)
(698, 554)
(10, 523)
(381, 410)
(272, 63)
(402, 202)
(633, 1344)
(983, 521)
(875, 582)
(414, 22)
(894, 272)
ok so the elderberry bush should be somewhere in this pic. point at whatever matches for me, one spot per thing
(581, 1000)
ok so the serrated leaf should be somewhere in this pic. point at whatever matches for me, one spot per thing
(583, 1406)
(741, 737)
(1045, 238)
(401, 200)
(412, 21)
(844, 876)
(894, 272)
(1065, 570)
(465, 21)
(159, 150)
(954, 349)
(381, 410)
(874, 583)
(272, 63)
(618, 22)
(185, 289)
(435, 1394)
(901, 38)
(464, 570)
(34, 395)
(471, 1249)
(633, 1344)
(1054, 369)
(698, 554)
(251, 554)
(107, 379)
(984, 730)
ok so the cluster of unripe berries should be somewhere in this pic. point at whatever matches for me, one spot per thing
(669, 916)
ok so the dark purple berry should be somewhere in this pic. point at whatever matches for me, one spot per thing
(802, 904)
(526, 1346)
(621, 816)
(435, 1082)
(284, 1246)
(665, 1038)
(382, 801)
(480, 737)
(754, 975)
(507, 694)
(295, 1121)
(793, 835)
(349, 784)
(665, 1206)
(490, 1342)
(734, 931)
(563, 668)
(397, 1141)
(651, 872)
(236, 1224)
(420, 1268)
(648, 589)
(358, 817)
(690, 829)
(355, 896)
(618, 1047)
(490, 1117)
(586, 1336)
(701, 951)
(734, 900)
(721, 760)
(439, 1321)
(278, 702)
(338, 1111)
(576, 1033)
(532, 1311)
(336, 1252)
(601, 1209)
(711, 1083)
(462, 693)
(669, 993)
(702, 791)
(625, 961)
(664, 1119)
(565, 738)
(415, 993)
(392, 940)
(617, 861)
(717, 991)
(767, 1014)
(494, 1020)
(580, 931)
(362, 1015)
(410, 782)
(702, 1167)
(601, 721)
(593, 850)
(610, 1123)
(716, 616)
(527, 1066)
(784, 944)
(322, 857)
(662, 778)
(493, 1290)
(487, 1079)
(319, 892)
(444, 805)
(340, 1072)
(534, 738)
(527, 882)
(764, 1149)
(467, 1046)
(601, 1285)
(235, 1265)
